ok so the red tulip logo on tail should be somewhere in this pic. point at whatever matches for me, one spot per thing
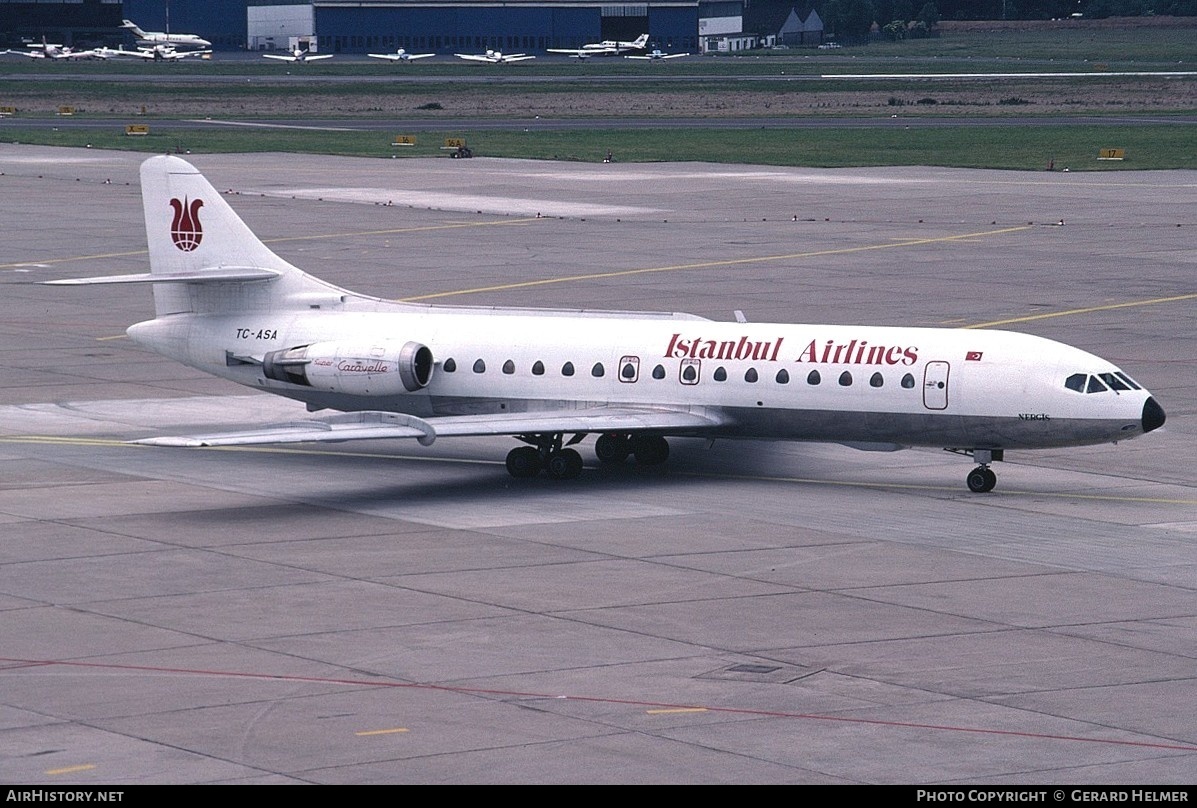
(185, 229)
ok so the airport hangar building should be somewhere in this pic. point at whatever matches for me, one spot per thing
(441, 26)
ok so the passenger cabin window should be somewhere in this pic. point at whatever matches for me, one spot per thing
(597, 371)
(908, 381)
(567, 369)
(629, 369)
(538, 368)
(783, 376)
(509, 367)
(449, 366)
(720, 374)
(689, 371)
(480, 366)
(659, 372)
(876, 380)
(813, 377)
(750, 376)
(845, 379)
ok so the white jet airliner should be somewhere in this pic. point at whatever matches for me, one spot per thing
(227, 305)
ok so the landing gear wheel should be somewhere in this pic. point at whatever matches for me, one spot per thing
(523, 462)
(564, 465)
(981, 479)
(612, 447)
(650, 450)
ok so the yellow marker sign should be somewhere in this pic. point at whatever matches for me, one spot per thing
(454, 143)
(66, 110)
(8, 110)
(137, 129)
(1111, 154)
(404, 140)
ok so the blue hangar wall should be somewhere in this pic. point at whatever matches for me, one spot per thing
(474, 28)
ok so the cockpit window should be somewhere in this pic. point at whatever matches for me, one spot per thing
(1100, 382)
(1114, 382)
(1128, 380)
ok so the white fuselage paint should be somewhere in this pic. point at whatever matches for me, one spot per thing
(906, 386)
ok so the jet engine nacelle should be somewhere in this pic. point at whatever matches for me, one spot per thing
(366, 369)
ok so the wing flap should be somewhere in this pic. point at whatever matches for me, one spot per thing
(380, 425)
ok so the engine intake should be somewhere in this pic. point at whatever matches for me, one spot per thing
(355, 368)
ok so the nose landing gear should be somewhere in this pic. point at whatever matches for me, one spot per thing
(982, 479)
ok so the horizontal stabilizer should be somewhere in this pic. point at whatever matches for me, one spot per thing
(218, 275)
(380, 425)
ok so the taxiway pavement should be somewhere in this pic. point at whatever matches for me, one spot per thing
(378, 612)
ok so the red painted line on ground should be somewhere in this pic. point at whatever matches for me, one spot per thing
(9, 664)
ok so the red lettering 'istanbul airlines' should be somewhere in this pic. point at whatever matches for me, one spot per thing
(227, 305)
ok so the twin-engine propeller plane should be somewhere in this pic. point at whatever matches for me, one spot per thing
(227, 305)
(608, 47)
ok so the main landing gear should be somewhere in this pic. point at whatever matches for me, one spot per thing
(545, 452)
(549, 452)
(615, 447)
(982, 479)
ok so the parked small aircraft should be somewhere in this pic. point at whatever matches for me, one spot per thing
(401, 56)
(49, 50)
(154, 53)
(225, 304)
(298, 56)
(494, 57)
(657, 54)
(608, 47)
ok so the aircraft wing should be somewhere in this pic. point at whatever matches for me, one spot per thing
(280, 57)
(471, 57)
(378, 425)
(583, 53)
(313, 58)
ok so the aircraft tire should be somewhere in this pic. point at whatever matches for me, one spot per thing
(650, 450)
(981, 480)
(523, 462)
(565, 464)
(612, 448)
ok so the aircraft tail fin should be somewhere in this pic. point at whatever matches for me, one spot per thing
(132, 26)
(203, 258)
(640, 41)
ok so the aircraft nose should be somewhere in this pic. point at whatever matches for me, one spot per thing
(1153, 415)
